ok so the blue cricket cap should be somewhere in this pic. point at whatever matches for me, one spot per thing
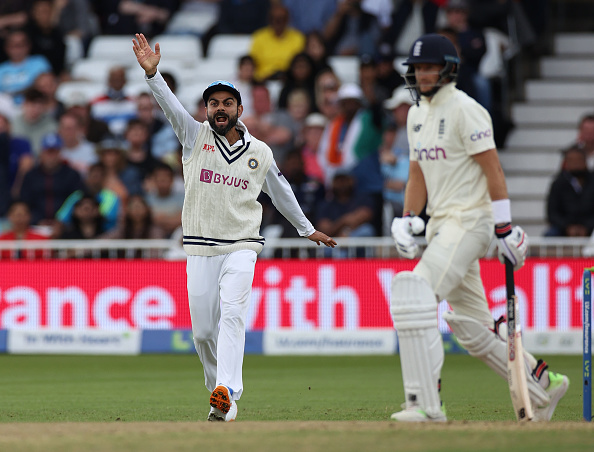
(221, 85)
(51, 141)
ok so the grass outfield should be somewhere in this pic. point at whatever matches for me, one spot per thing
(159, 402)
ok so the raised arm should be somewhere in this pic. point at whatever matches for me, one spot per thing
(145, 56)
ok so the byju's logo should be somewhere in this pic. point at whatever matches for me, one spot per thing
(211, 177)
(206, 176)
(480, 135)
(430, 154)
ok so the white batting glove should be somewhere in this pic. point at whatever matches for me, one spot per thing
(513, 244)
(402, 231)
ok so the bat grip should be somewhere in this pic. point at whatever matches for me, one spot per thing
(509, 278)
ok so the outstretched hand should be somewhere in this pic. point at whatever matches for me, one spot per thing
(145, 56)
(323, 238)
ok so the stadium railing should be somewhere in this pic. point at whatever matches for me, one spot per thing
(349, 248)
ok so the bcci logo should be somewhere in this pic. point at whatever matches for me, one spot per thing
(253, 163)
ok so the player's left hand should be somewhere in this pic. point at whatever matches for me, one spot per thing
(513, 246)
(323, 238)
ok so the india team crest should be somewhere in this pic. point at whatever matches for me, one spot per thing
(253, 163)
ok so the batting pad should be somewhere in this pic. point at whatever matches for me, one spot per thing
(414, 311)
(486, 345)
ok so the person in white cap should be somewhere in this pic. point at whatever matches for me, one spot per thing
(225, 169)
(350, 137)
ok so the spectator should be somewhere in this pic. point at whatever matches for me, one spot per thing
(49, 183)
(471, 48)
(76, 149)
(312, 133)
(200, 112)
(301, 75)
(165, 203)
(273, 128)
(245, 79)
(120, 177)
(15, 160)
(94, 130)
(115, 107)
(162, 139)
(19, 218)
(308, 192)
(350, 137)
(273, 47)
(238, 17)
(386, 75)
(345, 213)
(326, 89)
(585, 138)
(315, 47)
(570, 203)
(401, 15)
(299, 106)
(46, 38)
(137, 222)
(35, 120)
(109, 202)
(351, 31)
(20, 71)
(126, 17)
(13, 14)
(310, 16)
(87, 222)
(77, 21)
(394, 151)
(137, 142)
(47, 83)
(374, 92)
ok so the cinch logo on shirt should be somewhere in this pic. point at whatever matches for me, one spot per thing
(210, 177)
(430, 154)
(480, 135)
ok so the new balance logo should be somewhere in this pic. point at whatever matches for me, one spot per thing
(430, 154)
(208, 148)
(417, 127)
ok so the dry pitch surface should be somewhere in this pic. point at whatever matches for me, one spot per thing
(280, 436)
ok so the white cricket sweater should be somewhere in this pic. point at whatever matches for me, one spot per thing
(221, 213)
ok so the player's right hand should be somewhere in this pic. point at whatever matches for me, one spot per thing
(145, 56)
(402, 233)
(514, 246)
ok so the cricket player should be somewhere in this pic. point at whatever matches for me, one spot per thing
(225, 168)
(455, 171)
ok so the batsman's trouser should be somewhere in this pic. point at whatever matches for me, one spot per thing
(219, 289)
(450, 264)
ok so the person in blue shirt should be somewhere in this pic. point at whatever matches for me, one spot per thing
(21, 69)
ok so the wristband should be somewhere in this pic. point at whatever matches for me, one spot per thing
(151, 76)
(501, 211)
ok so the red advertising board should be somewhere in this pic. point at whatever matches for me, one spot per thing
(310, 294)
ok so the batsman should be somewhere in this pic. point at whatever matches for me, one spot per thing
(454, 171)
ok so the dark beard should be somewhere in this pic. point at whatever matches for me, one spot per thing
(222, 130)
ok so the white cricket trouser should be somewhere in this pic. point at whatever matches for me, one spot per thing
(219, 289)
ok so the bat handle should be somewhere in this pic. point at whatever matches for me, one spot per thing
(509, 278)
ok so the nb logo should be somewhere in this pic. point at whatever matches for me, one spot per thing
(480, 135)
(208, 148)
(417, 127)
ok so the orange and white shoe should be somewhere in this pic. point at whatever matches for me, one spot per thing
(217, 415)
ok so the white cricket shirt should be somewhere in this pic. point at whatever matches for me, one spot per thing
(443, 136)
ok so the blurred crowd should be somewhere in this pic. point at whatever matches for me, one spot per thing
(110, 166)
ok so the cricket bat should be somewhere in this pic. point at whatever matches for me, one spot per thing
(516, 366)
